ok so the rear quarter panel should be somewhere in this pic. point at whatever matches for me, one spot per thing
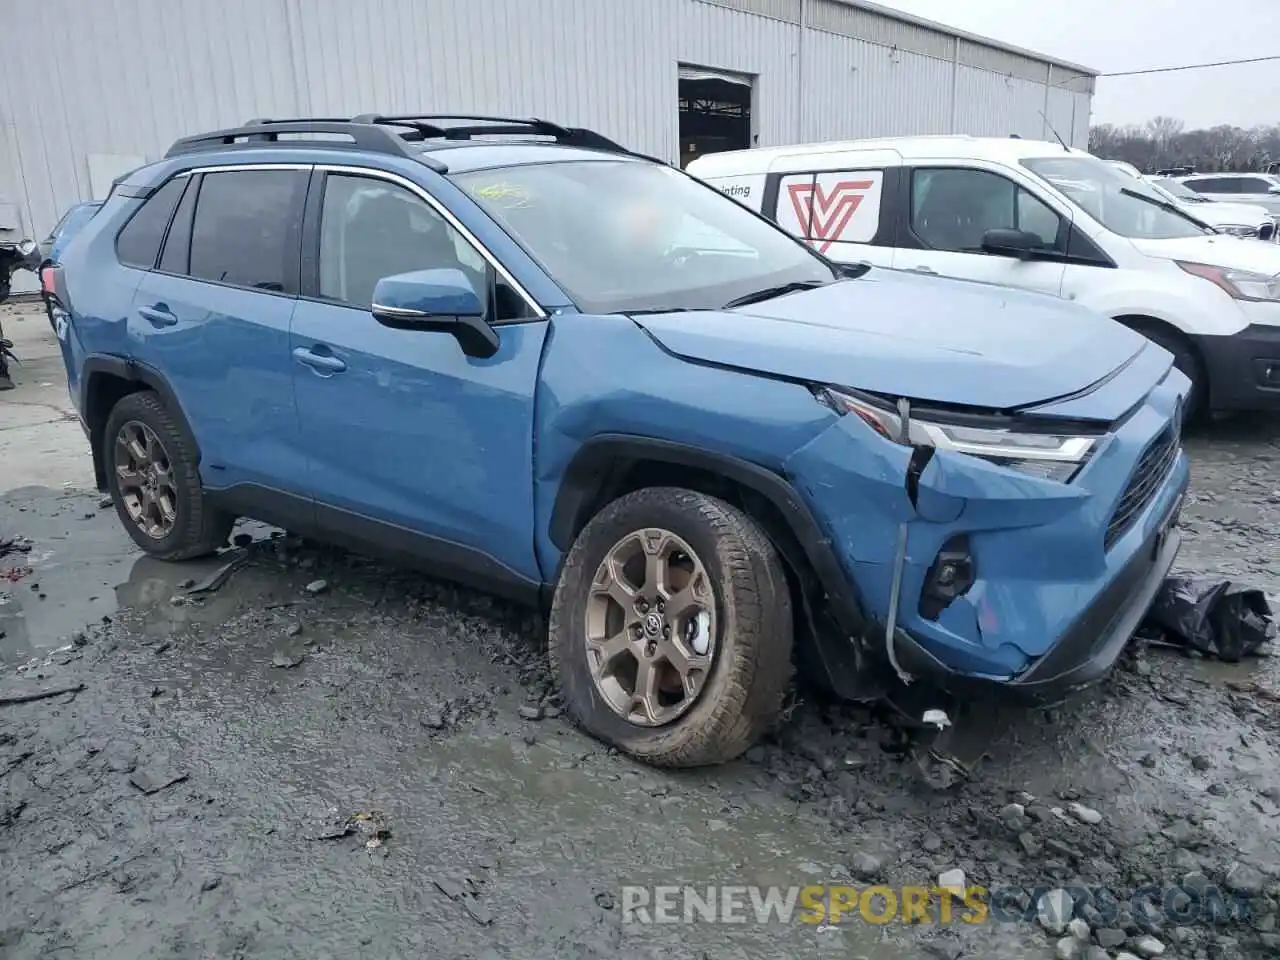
(99, 291)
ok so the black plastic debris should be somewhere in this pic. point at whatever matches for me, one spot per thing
(1218, 618)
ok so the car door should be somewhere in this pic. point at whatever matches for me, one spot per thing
(950, 208)
(411, 442)
(212, 317)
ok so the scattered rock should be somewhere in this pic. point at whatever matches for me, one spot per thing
(317, 586)
(1078, 929)
(286, 660)
(1244, 879)
(211, 884)
(1148, 947)
(866, 866)
(1084, 814)
(1068, 948)
(153, 781)
(1110, 937)
(550, 713)
(1200, 762)
(1030, 845)
(1182, 833)
(293, 629)
(531, 712)
(1054, 910)
(105, 502)
(1218, 789)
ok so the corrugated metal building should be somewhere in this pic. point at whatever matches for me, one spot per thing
(90, 88)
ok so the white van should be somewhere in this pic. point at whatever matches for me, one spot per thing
(1041, 217)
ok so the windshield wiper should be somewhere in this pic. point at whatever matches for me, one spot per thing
(768, 293)
(1164, 205)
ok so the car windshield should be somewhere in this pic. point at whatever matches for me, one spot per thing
(625, 236)
(1120, 202)
(1178, 189)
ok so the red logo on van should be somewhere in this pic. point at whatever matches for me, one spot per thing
(827, 213)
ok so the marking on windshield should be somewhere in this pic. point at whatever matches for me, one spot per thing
(827, 213)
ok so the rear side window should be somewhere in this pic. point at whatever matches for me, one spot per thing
(247, 227)
(1253, 185)
(1211, 185)
(139, 241)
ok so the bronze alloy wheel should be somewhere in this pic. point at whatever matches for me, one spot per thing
(145, 479)
(650, 627)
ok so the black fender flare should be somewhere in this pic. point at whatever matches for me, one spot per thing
(133, 372)
(599, 459)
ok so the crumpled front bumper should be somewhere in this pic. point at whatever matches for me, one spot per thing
(1054, 600)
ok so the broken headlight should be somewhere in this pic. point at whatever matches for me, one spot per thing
(1048, 456)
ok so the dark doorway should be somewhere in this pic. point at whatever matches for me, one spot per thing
(715, 113)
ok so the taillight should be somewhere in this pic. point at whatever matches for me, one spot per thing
(47, 281)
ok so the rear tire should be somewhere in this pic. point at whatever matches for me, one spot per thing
(739, 591)
(160, 502)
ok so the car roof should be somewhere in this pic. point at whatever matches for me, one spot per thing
(998, 149)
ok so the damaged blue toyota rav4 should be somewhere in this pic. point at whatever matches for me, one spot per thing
(530, 360)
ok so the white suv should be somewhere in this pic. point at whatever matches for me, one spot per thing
(1040, 217)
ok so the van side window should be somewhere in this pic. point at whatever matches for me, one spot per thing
(952, 208)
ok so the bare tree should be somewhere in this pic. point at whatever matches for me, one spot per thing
(1165, 142)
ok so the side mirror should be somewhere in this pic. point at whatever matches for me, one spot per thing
(1275, 189)
(443, 300)
(1008, 242)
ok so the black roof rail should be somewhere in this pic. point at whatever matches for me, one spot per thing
(259, 132)
(428, 124)
(378, 133)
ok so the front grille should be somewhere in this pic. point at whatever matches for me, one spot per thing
(1152, 469)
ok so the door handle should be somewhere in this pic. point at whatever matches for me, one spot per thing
(923, 269)
(320, 362)
(158, 316)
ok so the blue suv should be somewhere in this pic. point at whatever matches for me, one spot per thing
(528, 359)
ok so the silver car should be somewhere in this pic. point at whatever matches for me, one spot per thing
(1260, 188)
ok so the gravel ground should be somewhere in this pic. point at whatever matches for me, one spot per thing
(326, 757)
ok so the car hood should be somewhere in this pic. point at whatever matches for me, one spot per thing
(924, 338)
(1230, 252)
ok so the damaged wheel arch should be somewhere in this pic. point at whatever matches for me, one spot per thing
(610, 465)
(105, 381)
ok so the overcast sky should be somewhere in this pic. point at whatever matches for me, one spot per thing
(1113, 35)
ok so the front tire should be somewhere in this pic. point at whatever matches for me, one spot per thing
(154, 482)
(1187, 360)
(671, 629)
